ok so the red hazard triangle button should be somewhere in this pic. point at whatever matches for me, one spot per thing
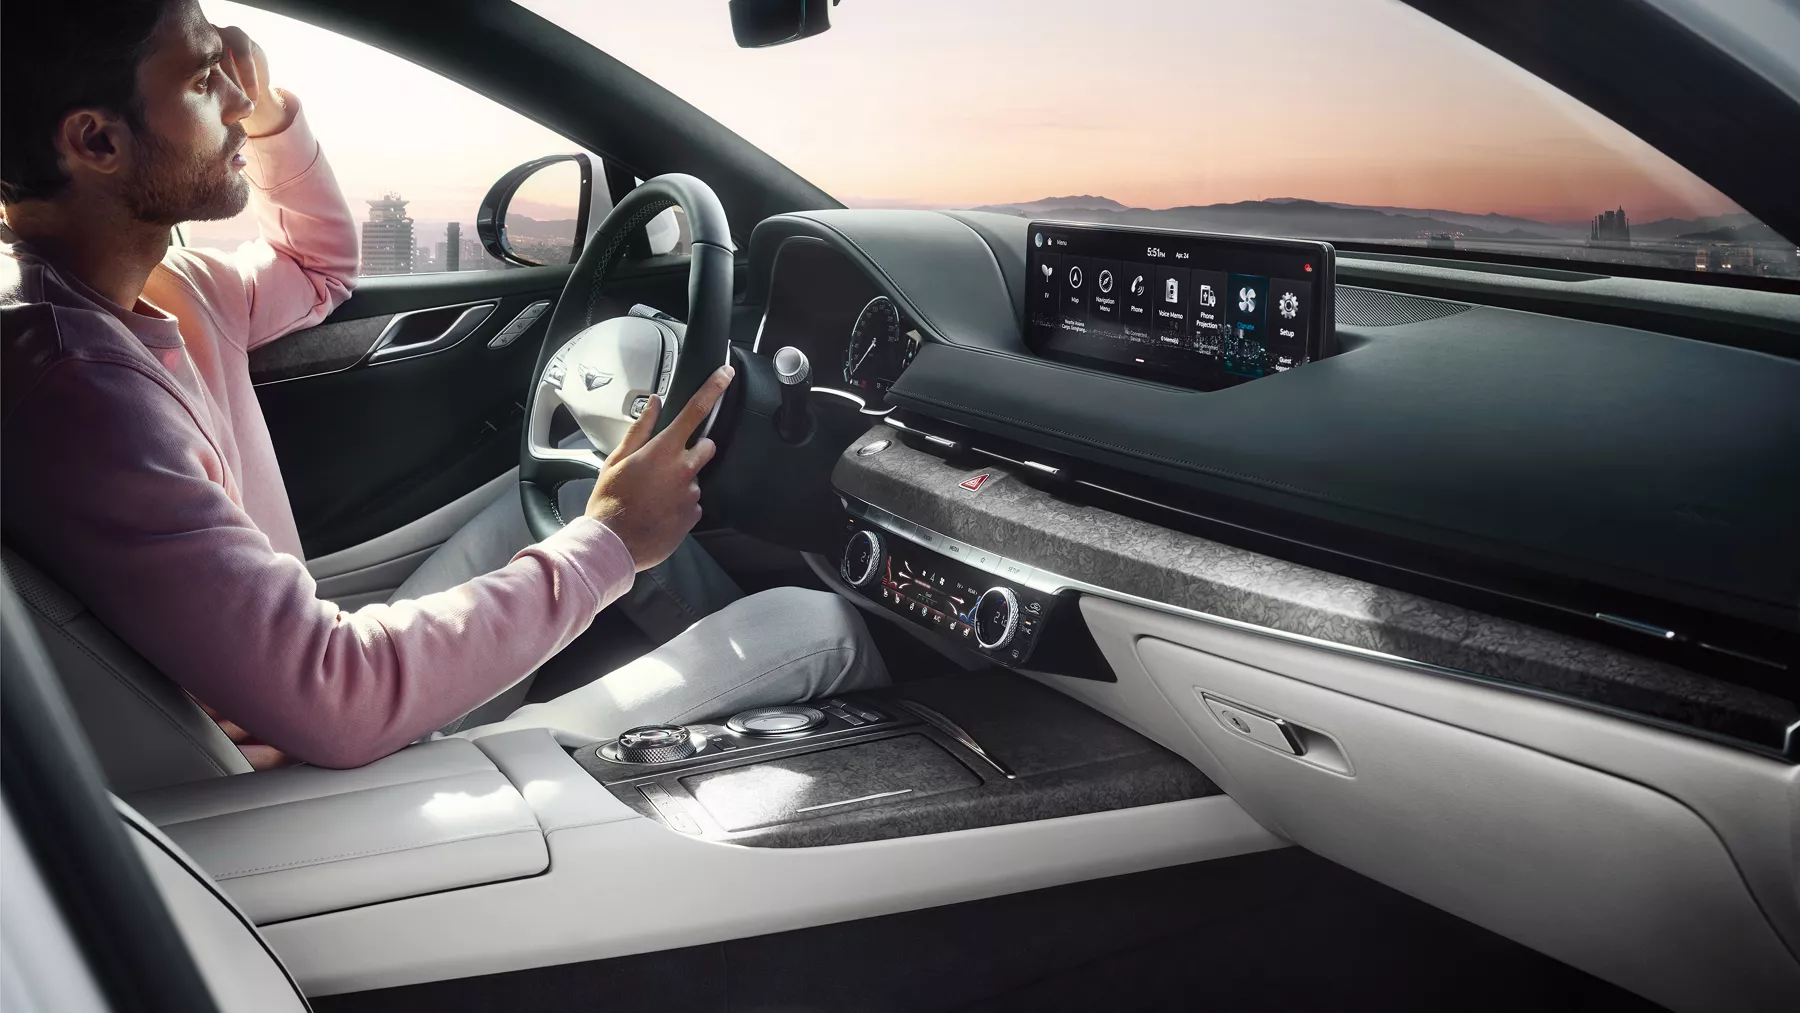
(974, 484)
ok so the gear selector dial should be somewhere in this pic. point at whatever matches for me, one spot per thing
(656, 744)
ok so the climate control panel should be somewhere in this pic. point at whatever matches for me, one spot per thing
(967, 606)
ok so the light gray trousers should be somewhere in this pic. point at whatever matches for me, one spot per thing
(780, 646)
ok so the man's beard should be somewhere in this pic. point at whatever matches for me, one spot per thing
(170, 187)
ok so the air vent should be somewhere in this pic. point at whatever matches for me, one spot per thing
(1367, 307)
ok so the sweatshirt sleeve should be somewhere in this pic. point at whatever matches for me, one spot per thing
(139, 527)
(302, 266)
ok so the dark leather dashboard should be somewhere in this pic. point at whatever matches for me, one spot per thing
(1658, 465)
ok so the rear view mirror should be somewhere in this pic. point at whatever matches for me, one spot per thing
(537, 213)
(759, 23)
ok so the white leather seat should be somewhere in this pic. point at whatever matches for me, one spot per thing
(145, 730)
(240, 969)
(79, 919)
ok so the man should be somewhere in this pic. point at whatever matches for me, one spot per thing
(138, 471)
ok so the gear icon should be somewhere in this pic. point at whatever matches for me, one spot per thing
(1290, 305)
(1246, 300)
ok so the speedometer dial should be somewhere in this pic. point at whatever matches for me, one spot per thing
(877, 351)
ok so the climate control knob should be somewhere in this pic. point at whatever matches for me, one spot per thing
(862, 558)
(996, 617)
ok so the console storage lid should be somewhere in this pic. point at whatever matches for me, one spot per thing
(306, 840)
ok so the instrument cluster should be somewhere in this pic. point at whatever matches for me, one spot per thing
(857, 339)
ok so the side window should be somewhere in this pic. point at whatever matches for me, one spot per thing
(413, 152)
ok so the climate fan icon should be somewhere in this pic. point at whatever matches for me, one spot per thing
(1290, 305)
(1246, 300)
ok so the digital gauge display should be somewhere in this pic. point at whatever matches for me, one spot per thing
(878, 352)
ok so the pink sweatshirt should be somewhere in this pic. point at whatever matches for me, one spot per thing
(138, 471)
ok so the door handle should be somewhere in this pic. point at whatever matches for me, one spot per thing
(410, 335)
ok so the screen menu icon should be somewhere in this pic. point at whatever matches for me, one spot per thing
(1171, 307)
(1208, 315)
(1292, 309)
(1137, 308)
(1246, 313)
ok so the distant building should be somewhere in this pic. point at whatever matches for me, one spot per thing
(452, 247)
(1610, 227)
(387, 237)
(1735, 259)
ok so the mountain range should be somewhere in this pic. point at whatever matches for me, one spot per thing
(1298, 216)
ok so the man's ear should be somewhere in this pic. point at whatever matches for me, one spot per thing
(93, 140)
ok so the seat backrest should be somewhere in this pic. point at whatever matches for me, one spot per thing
(101, 910)
(146, 731)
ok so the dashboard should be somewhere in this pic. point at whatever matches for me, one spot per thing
(856, 338)
(1627, 487)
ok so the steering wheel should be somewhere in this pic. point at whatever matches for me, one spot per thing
(605, 372)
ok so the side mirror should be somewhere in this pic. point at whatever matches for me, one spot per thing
(555, 234)
(759, 23)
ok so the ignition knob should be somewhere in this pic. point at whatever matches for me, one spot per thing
(996, 617)
(656, 744)
(862, 558)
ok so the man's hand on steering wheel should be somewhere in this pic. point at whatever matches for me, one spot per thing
(649, 491)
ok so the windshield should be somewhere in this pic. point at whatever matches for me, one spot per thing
(1355, 121)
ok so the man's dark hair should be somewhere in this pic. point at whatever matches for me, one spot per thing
(57, 56)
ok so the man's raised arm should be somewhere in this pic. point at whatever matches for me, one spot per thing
(304, 264)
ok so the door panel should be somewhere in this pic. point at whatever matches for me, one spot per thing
(368, 446)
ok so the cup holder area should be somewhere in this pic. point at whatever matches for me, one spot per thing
(769, 722)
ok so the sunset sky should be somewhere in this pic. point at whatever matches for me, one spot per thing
(953, 103)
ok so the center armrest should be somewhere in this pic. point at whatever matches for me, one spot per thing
(305, 840)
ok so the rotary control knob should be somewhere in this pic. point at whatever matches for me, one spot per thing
(996, 617)
(656, 744)
(862, 558)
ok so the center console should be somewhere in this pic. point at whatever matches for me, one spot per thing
(950, 753)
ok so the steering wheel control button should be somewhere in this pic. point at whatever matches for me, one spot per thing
(776, 721)
(638, 405)
(1271, 732)
(653, 744)
(862, 558)
(996, 617)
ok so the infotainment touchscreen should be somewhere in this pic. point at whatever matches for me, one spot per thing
(1185, 308)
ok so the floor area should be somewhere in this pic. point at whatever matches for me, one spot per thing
(1276, 931)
